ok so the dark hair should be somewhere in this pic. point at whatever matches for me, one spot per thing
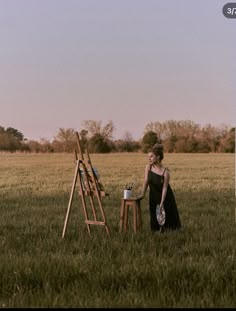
(157, 149)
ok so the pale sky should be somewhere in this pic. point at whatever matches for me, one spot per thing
(129, 61)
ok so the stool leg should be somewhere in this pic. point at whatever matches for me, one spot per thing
(122, 215)
(135, 217)
(139, 217)
(126, 207)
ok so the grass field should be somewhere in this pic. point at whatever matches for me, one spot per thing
(195, 267)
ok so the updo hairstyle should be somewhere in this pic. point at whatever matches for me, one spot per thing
(157, 149)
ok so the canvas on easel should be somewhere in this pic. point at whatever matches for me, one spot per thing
(89, 186)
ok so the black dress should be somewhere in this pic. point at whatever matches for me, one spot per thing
(155, 182)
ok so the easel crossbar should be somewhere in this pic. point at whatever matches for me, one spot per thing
(93, 222)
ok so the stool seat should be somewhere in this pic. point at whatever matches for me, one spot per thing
(135, 203)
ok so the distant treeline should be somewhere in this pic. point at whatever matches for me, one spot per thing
(176, 136)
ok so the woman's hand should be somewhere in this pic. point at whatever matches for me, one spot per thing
(140, 197)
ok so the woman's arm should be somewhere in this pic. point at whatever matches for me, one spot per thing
(165, 186)
(145, 184)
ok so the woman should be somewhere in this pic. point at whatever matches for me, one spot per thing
(157, 179)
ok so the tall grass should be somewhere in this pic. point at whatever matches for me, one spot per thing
(194, 267)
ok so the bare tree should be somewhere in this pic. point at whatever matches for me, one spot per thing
(127, 137)
(95, 127)
(66, 137)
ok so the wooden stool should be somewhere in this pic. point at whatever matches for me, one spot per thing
(124, 213)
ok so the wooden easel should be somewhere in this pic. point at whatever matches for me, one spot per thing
(89, 186)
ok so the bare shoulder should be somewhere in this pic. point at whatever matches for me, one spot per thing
(167, 171)
(148, 167)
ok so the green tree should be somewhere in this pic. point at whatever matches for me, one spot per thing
(83, 139)
(149, 139)
(11, 139)
(15, 133)
(98, 144)
(99, 136)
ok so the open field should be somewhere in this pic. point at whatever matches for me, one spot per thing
(195, 267)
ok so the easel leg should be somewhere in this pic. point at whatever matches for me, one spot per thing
(70, 201)
(83, 202)
(86, 187)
